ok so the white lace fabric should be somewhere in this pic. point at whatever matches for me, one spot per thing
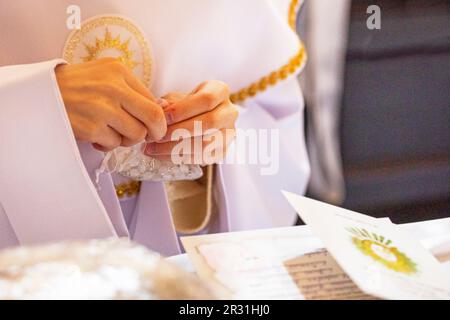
(132, 163)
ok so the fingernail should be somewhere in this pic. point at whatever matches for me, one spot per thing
(200, 87)
(169, 117)
(162, 102)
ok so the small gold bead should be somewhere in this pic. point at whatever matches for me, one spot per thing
(253, 90)
(130, 189)
(264, 81)
(283, 74)
(273, 78)
(120, 193)
(263, 84)
(243, 95)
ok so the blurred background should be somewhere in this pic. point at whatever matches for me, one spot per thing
(378, 106)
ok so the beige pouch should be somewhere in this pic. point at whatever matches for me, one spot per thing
(191, 202)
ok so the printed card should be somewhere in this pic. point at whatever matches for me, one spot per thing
(376, 255)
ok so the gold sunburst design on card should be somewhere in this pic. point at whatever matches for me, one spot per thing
(111, 36)
(382, 250)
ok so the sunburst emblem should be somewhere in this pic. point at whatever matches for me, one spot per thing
(119, 48)
(111, 36)
(381, 250)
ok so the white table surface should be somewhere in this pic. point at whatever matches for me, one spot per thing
(433, 234)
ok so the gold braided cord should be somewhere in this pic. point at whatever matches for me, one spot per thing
(280, 74)
(128, 189)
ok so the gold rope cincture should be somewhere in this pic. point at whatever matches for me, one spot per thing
(282, 73)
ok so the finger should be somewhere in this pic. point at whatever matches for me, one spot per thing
(132, 130)
(166, 148)
(146, 111)
(224, 116)
(210, 95)
(210, 152)
(107, 138)
(83, 128)
(173, 97)
(115, 65)
(192, 145)
(100, 148)
(137, 84)
(219, 151)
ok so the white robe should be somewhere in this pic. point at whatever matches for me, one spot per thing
(46, 178)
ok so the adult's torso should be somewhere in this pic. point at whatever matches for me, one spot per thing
(233, 41)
